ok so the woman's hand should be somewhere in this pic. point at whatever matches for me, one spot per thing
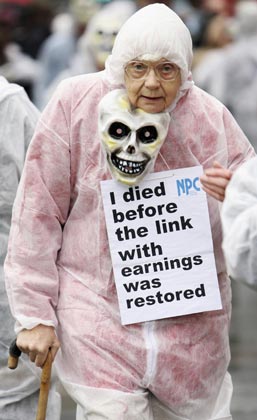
(215, 180)
(37, 342)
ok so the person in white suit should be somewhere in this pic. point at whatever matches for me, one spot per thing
(19, 389)
(239, 219)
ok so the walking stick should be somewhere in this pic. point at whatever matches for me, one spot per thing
(14, 354)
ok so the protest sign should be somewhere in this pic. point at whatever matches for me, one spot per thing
(161, 246)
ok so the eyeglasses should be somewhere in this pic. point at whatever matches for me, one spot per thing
(139, 70)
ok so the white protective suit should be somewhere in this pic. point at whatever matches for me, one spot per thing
(18, 388)
(230, 74)
(172, 368)
(239, 224)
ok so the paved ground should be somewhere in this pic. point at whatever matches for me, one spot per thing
(244, 357)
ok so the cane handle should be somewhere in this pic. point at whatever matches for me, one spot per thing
(14, 354)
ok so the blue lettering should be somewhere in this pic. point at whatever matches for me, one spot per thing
(180, 187)
(194, 184)
(189, 184)
(185, 185)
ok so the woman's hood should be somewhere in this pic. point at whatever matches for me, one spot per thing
(156, 31)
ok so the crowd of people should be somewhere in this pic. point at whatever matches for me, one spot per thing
(57, 63)
(42, 43)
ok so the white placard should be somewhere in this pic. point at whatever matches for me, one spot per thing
(161, 246)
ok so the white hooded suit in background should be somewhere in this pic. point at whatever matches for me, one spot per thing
(231, 73)
(174, 368)
(18, 388)
(95, 44)
(240, 226)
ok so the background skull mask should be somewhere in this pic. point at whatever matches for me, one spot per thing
(131, 138)
(101, 40)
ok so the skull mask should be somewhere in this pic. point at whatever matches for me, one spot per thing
(102, 38)
(102, 29)
(131, 137)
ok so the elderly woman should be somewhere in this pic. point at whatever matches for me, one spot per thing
(58, 269)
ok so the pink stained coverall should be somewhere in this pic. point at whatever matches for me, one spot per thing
(59, 269)
(59, 272)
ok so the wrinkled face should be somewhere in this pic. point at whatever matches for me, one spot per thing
(131, 138)
(152, 93)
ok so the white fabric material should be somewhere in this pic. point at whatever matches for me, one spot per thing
(110, 404)
(239, 217)
(18, 118)
(29, 323)
(18, 388)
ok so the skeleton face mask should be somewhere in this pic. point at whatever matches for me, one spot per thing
(102, 38)
(131, 138)
(103, 28)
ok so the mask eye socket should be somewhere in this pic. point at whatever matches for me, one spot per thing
(147, 134)
(118, 130)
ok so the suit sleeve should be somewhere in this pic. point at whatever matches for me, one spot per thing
(39, 214)
(239, 219)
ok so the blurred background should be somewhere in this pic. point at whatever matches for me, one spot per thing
(45, 41)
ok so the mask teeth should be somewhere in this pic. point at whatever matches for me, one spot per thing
(128, 167)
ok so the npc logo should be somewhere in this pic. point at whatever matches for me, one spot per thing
(188, 186)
